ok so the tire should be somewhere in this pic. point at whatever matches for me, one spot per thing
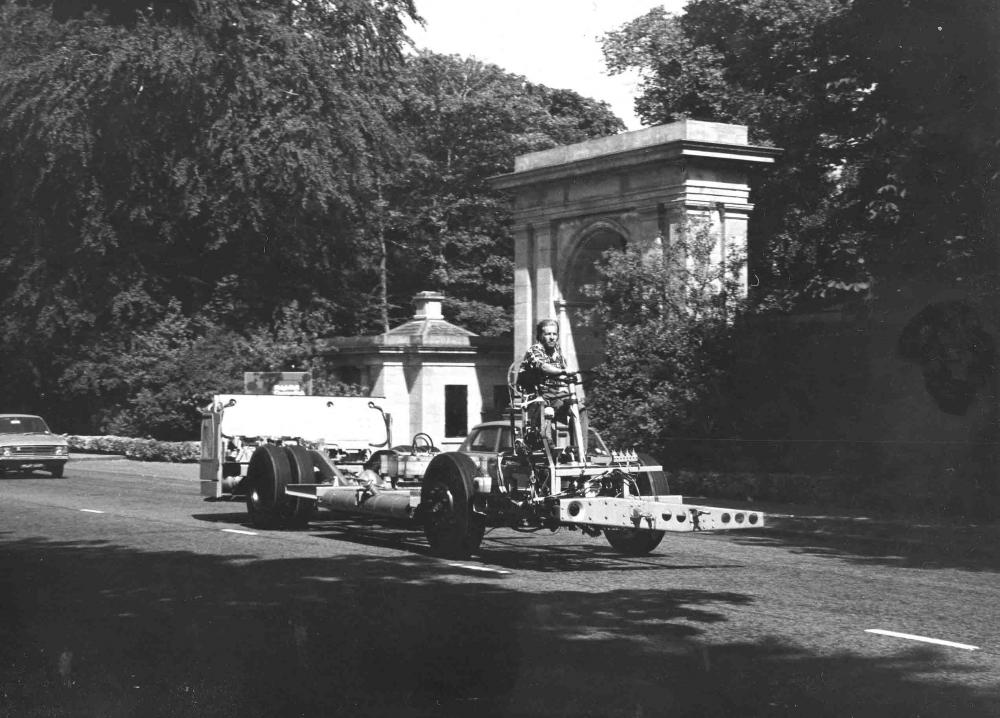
(301, 465)
(57, 470)
(452, 529)
(639, 542)
(267, 476)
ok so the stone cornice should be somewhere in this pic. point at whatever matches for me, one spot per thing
(669, 152)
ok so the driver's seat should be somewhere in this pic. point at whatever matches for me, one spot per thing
(521, 399)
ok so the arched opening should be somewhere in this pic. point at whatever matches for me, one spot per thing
(580, 283)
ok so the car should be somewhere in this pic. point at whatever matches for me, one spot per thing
(494, 437)
(27, 443)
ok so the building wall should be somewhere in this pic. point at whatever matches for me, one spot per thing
(411, 387)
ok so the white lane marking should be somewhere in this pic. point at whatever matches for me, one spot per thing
(237, 531)
(925, 639)
(478, 568)
(91, 511)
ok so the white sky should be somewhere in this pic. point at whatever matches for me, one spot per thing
(551, 42)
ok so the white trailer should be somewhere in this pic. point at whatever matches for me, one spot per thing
(344, 429)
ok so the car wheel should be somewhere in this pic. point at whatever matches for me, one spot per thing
(57, 470)
(639, 542)
(451, 526)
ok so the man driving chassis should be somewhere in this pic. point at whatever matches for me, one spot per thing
(543, 371)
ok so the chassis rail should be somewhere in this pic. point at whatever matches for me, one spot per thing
(654, 513)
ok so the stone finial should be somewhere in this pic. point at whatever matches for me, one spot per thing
(428, 305)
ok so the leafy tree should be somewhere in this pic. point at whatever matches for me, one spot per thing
(183, 156)
(447, 230)
(885, 110)
(924, 135)
(669, 314)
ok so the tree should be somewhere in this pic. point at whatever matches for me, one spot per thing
(447, 230)
(925, 136)
(885, 110)
(669, 313)
(190, 155)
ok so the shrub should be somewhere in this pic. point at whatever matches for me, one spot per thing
(138, 449)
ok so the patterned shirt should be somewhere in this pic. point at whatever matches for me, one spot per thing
(532, 378)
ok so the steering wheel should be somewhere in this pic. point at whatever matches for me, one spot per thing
(426, 444)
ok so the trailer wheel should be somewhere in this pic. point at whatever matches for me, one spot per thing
(452, 528)
(301, 464)
(639, 542)
(267, 476)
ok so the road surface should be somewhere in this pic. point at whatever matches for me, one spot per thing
(124, 593)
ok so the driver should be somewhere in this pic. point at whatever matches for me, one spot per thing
(543, 371)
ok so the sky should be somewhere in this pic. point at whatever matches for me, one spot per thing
(550, 42)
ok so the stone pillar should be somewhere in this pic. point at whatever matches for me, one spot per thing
(545, 290)
(524, 287)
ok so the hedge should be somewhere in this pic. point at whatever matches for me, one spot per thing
(138, 449)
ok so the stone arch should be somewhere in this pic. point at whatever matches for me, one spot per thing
(640, 185)
(577, 281)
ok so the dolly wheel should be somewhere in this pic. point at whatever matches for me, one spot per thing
(452, 528)
(267, 476)
(301, 464)
(639, 542)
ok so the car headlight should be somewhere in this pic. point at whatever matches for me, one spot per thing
(62, 450)
(6, 451)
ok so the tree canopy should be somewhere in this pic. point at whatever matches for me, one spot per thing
(887, 112)
(182, 173)
(465, 121)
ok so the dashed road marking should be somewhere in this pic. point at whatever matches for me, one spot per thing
(484, 569)
(91, 511)
(925, 639)
(237, 531)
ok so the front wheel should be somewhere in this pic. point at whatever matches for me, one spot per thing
(56, 470)
(451, 526)
(639, 542)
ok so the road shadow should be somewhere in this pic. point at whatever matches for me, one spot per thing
(94, 629)
(501, 548)
(969, 548)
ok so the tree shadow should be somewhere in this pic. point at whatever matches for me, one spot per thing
(90, 628)
(969, 548)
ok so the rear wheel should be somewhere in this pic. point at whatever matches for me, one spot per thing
(301, 464)
(267, 476)
(639, 542)
(452, 528)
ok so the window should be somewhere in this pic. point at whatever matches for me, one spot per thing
(485, 439)
(501, 397)
(456, 410)
(23, 425)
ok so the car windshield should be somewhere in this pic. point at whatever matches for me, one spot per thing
(485, 439)
(22, 425)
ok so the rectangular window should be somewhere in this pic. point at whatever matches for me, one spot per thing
(501, 397)
(456, 410)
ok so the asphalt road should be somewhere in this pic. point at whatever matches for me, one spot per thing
(124, 593)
